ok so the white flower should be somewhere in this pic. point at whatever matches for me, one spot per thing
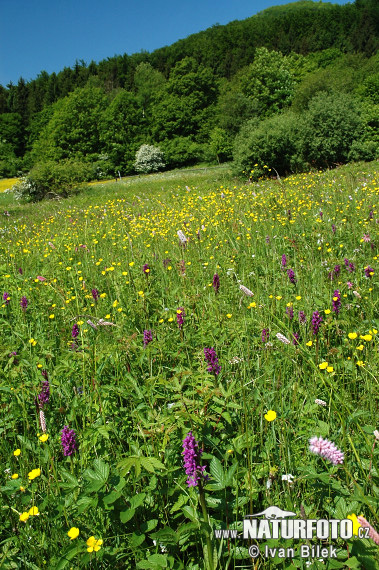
(320, 402)
(376, 434)
(235, 360)
(246, 291)
(288, 477)
(182, 238)
(282, 338)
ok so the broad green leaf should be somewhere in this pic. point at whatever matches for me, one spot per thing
(217, 472)
(190, 513)
(149, 525)
(159, 560)
(85, 503)
(125, 516)
(137, 500)
(165, 535)
(179, 503)
(136, 539)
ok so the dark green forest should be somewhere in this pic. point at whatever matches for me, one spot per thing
(295, 86)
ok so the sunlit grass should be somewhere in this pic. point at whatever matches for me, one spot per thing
(82, 279)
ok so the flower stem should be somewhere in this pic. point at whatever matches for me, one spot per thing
(206, 520)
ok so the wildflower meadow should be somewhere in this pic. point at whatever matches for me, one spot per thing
(181, 351)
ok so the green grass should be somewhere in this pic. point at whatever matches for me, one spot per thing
(131, 406)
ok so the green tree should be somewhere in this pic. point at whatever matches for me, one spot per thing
(12, 132)
(268, 81)
(148, 82)
(331, 124)
(220, 144)
(122, 130)
(272, 142)
(73, 129)
(186, 102)
(234, 108)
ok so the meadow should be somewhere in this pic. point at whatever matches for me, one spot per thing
(170, 344)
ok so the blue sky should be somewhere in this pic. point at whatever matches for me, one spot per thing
(48, 35)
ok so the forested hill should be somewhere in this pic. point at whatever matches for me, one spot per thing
(194, 97)
(302, 27)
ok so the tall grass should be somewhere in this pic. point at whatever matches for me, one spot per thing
(81, 264)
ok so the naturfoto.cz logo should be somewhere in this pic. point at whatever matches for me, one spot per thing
(275, 523)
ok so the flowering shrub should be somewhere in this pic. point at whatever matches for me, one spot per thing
(149, 158)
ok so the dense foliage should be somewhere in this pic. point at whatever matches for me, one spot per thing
(141, 317)
(193, 98)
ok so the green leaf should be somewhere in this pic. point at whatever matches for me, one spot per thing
(149, 525)
(190, 513)
(85, 503)
(26, 443)
(103, 431)
(71, 480)
(217, 472)
(125, 516)
(165, 535)
(352, 562)
(230, 474)
(179, 503)
(322, 428)
(136, 539)
(126, 464)
(151, 463)
(112, 497)
(227, 417)
(69, 555)
(137, 500)
(97, 476)
(159, 560)
(101, 469)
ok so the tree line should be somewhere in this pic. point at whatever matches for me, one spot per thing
(200, 99)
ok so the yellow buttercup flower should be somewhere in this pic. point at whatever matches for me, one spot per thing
(73, 533)
(17, 452)
(309, 343)
(329, 369)
(34, 473)
(356, 524)
(44, 437)
(323, 365)
(33, 511)
(366, 337)
(352, 335)
(93, 544)
(270, 416)
(24, 517)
